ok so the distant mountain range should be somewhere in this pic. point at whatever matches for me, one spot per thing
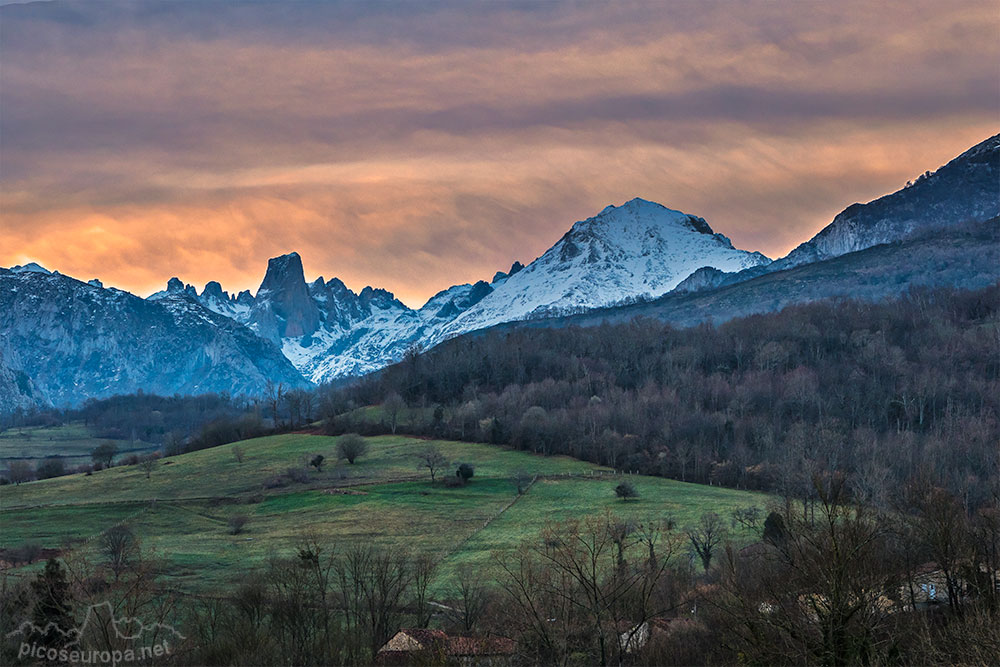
(62, 340)
(635, 251)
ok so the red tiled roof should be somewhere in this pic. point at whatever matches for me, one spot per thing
(426, 636)
(453, 646)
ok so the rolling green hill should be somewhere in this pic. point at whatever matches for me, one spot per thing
(181, 511)
(72, 442)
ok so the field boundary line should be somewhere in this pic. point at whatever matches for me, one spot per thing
(496, 515)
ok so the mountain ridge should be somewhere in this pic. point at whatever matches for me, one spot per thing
(639, 253)
(75, 340)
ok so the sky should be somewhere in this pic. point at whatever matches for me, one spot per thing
(412, 146)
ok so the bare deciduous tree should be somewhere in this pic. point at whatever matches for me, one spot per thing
(432, 459)
(472, 598)
(706, 536)
(392, 406)
(120, 548)
(20, 471)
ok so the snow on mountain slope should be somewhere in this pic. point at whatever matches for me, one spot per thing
(638, 250)
(964, 192)
(31, 267)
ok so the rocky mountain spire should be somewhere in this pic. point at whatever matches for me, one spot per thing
(283, 307)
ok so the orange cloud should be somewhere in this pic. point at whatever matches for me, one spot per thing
(413, 152)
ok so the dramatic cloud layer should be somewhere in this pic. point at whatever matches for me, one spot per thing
(415, 145)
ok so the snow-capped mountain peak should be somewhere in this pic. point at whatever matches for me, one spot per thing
(30, 267)
(637, 250)
(640, 249)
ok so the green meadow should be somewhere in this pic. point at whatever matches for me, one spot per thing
(181, 511)
(73, 443)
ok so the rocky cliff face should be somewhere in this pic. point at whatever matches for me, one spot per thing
(283, 307)
(18, 391)
(638, 250)
(75, 340)
(72, 340)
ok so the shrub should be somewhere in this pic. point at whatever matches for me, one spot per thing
(300, 475)
(351, 446)
(453, 482)
(237, 523)
(317, 462)
(465, 472)
(275, 482)
(626, 491)
(238, 453)
(51, 467)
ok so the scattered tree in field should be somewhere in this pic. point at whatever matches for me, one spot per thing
(706, 536)
(20, 471)
(465, 472)
(238, 453)
(392, 406)
(432, 459)
(51, 467)
(104, 454)
(351, 446)
(317, 462)
(626, 491)
(148, 463)
(237, 523)
(120, 548)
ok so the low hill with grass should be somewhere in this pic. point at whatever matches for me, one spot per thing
(72, 443)
(184, 508)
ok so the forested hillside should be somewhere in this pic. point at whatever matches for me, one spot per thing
(883, 393)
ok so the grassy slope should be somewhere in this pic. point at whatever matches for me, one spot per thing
(196, 493)
(72, 442)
